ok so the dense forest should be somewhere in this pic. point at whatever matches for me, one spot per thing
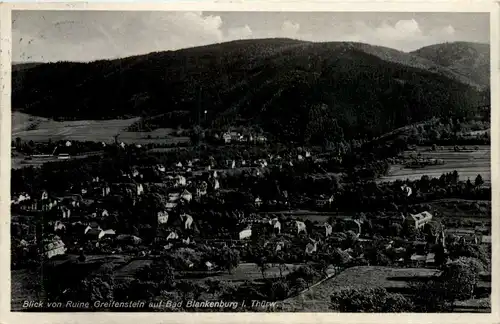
(295, 90)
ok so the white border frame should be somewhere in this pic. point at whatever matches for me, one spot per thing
(352, 6)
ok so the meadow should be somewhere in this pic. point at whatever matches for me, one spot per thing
(317, 299)
(39, 129)
(467, 163)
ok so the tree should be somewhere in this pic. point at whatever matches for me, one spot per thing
(478, 182)
(262, 263)
(230, 259)
(214, 285)
(368, 300)
(460, 278)
(279, 290)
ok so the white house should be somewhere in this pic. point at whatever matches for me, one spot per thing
(162, 217)
(172, 236)
(186, 195)
(45, 195)
(301, 227)
(180, 180)
(188, 220)
(216, 184)
(66, 212)
(419, 220)
(68, 143)
(258, 202)
(246, 233)
(276, 224)
(328, 229)
(140, 189)
(226, 137)
(105, 191)
(311, 247)
(53, 246)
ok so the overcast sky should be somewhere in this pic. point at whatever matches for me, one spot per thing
(48, 36)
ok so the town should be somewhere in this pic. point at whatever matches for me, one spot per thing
(239, 218)
(251, 161)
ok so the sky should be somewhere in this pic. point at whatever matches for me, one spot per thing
(50, 36)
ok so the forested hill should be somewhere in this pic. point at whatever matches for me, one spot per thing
(471, 60)
(291, 88)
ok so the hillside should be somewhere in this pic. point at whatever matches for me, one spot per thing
(291, 88)
(467, 59)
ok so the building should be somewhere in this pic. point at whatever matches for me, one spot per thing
(419, 220)
(258, 202)
(226, 137)
(53, 246)
(162, 217)
(246, 233)
(186, 195)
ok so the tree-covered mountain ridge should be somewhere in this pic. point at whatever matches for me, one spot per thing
(292, 89)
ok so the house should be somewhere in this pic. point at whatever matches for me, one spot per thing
(418, 260)
(22, 197)
(180, 181)
(53, 246)
(105, 190)
(162, 217)
(172, 236)
(301, 227)
(261, 138)
(128, 239)
(226, 137)
(140, 189)
(188, 220)
(324, 201)
(209, 266)
(276, 224)
(170, 205)
(311, 247)
(258, 202)
(216, 185)
(65, 212)
(246, 233)
(328, 229)
(68, 143)
(94, 234)
(201, 190)
(186, 195)
(419, 220)
(486, 239)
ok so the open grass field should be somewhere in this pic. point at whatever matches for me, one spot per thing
(317, 299)
(468, 164)
(39, 129)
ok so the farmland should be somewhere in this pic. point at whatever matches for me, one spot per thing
(468, 164)
(39, 129)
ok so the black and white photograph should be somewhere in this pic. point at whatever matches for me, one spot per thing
(251, 161)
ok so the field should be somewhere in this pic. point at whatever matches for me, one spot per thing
(38, 129)
(468, 164)
(310, 215)
(317, 298)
